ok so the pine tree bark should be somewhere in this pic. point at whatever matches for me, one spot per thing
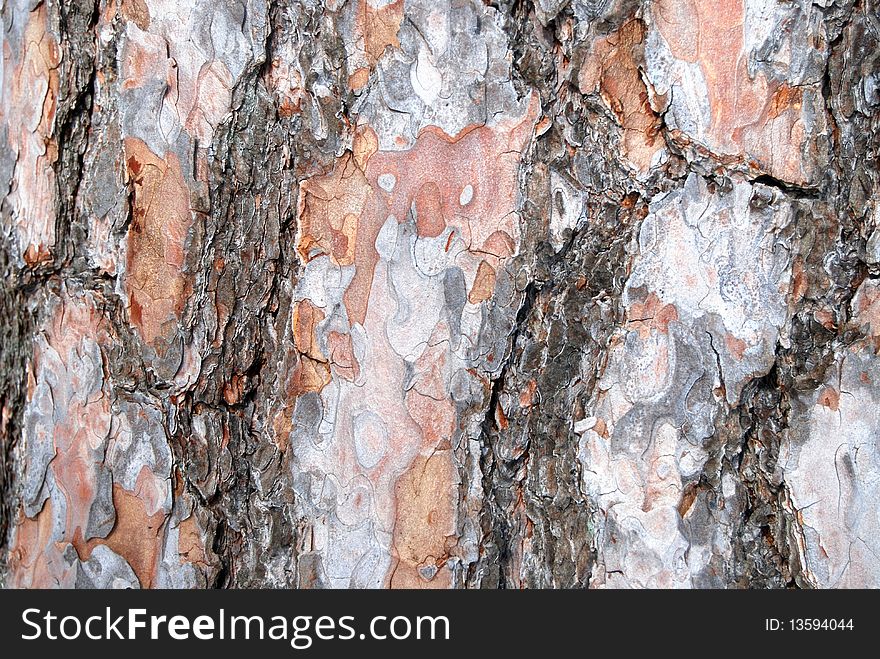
(440, 294)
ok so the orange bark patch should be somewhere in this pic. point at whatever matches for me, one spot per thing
(306, 317)
(735, 346)
(156, 284)
(500, 244)
(826, 318)
(687, 499)
(424, 523)
(233, 389)
(829, 397)
(34, 558)
(364, 145)
(341, 213)
(309, 375)
(651, 314)
(136, 536)
(484, 284)
(342, 357)
(712, 34)
(379, 26)
(436, 419)
(527, 395)
(142, 58)
(612, 69)
(36, 254)
(282, 424)
(190, 544)
(137, 12)
(500, 417)
(784, 98)
(359, 78)
(747, 111)
(429, 210)
(329, 207)
(437, 169)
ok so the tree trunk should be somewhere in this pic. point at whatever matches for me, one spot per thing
(440, 293)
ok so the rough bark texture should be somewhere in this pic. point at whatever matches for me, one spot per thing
(440, 293)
